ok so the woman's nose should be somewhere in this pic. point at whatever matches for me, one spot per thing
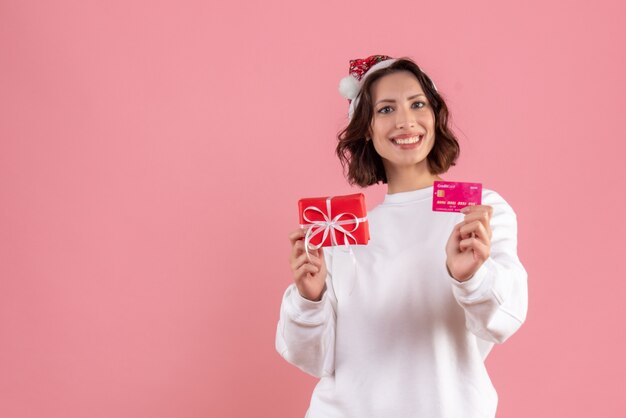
(405, 120)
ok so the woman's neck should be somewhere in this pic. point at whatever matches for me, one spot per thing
(407, 179)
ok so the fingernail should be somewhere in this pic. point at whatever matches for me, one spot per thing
(464, 210)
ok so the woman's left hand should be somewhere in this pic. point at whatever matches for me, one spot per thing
(469, 244)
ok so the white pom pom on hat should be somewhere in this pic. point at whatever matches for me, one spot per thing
(349, 87)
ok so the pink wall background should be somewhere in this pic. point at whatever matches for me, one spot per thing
(151, 157)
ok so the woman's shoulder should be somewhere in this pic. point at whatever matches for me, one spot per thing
(502, 210)
(491, 197)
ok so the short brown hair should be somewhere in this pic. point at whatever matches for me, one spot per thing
(364, 165)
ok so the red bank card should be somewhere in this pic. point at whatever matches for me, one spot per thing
(452, 196)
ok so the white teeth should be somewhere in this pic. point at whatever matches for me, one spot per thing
(412, 140)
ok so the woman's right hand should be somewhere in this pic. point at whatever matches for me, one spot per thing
(309, 276)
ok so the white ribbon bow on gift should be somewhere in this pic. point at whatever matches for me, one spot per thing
(329, 226)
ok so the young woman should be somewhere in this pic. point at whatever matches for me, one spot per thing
(434, 291)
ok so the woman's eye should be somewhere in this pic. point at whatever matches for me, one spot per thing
(418, 105)
(385, 109)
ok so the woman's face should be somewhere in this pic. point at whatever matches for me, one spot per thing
(403, 122)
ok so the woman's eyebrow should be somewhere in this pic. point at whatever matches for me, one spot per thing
(393, 101)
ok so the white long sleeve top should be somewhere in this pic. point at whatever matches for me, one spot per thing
(394, 335)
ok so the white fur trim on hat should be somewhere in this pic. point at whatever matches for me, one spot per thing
(373, 69)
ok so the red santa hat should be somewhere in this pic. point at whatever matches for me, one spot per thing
(350, 86)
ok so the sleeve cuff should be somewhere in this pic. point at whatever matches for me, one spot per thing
(480, 283)
(304, 310)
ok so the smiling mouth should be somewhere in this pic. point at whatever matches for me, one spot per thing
(407, 141)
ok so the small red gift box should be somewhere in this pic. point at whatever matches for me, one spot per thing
(334, 220)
